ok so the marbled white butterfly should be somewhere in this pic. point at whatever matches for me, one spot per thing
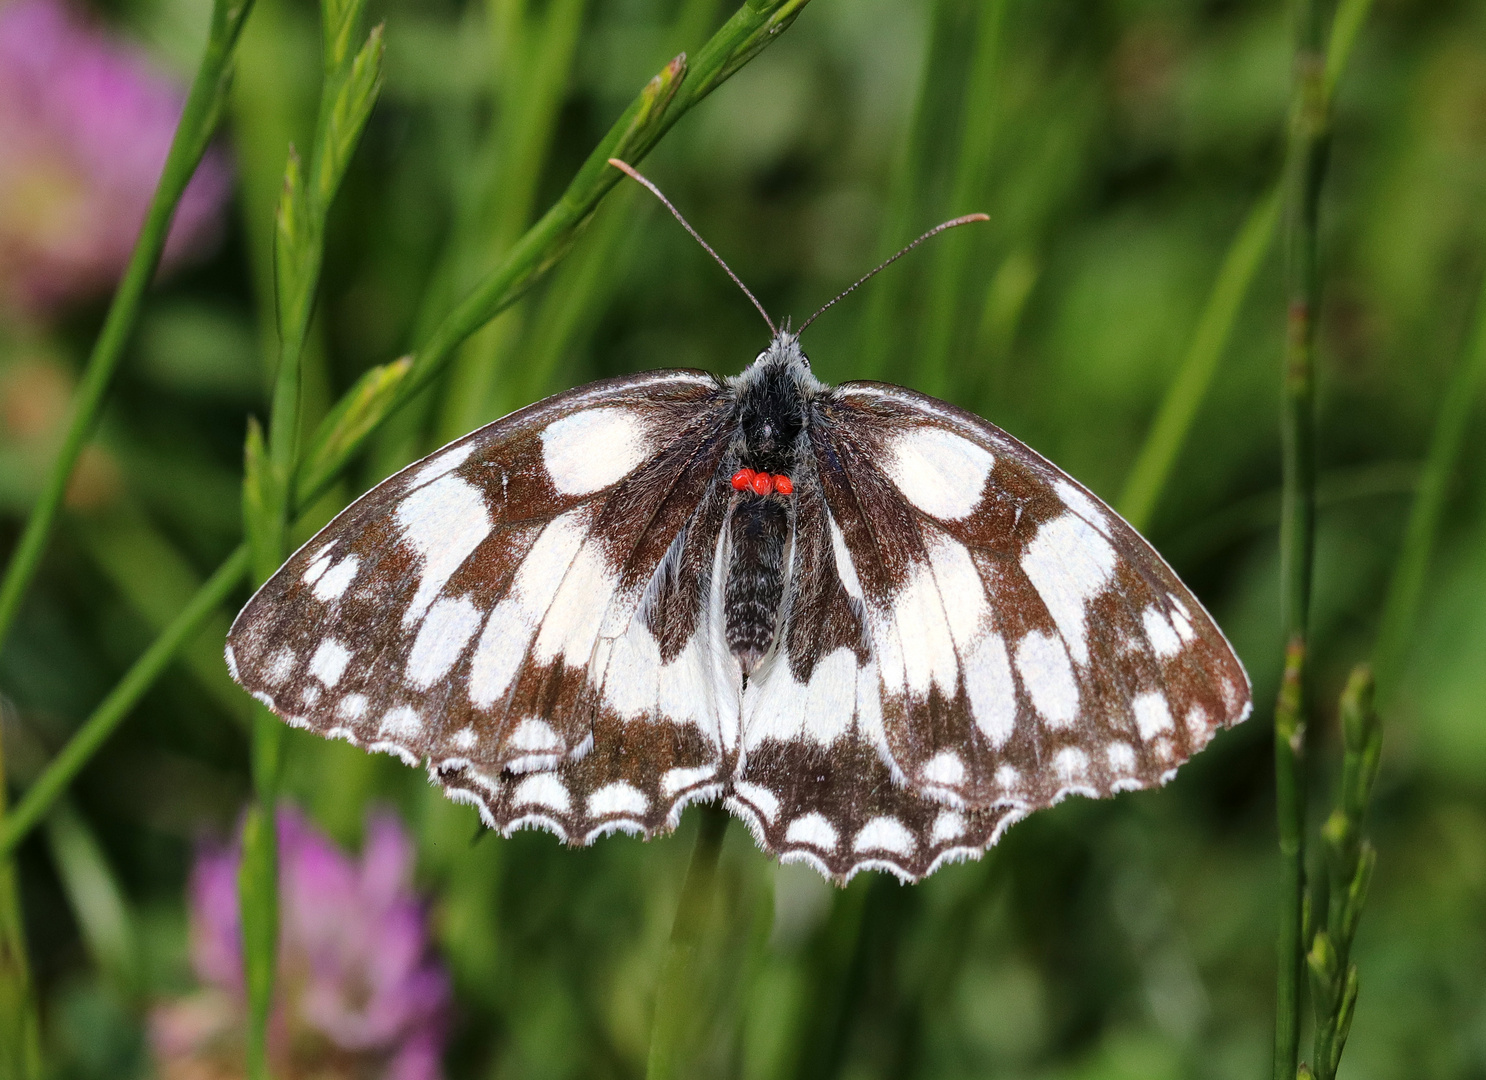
(876, 626)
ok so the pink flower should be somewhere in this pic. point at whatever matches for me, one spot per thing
(85, 124)
(359, 994)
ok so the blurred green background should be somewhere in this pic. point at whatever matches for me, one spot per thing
(1118, 146)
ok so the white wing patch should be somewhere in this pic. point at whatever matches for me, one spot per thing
(332, 583)
(1152, 714)
(776, 706)
(1069, 563)
(884, 834)
(514, 622)
(593, 448)
(938, 471)
(923, 634)
(1047, 676)
(812, 829)
(991, 689)
(446, 630)
(1083, 506)
(1158, 631)
(444, 522)
(444, 461)
(329, 662)
(617, 798)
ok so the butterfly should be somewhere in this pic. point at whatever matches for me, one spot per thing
(875, 626)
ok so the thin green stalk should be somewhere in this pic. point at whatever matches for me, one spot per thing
(676, 994)
(20, 1040)
(1400, 610)
(94, 732)
(972, 163)
(1289, 746)
(1187, 392)
(364, 408)
(1305, 171)
(192, 134)
(838, 967)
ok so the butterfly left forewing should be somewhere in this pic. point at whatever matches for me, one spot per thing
(1031, 643)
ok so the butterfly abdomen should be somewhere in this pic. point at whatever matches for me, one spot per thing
(755, 585)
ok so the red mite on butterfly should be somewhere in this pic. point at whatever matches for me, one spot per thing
(762, 483)
(588, 615)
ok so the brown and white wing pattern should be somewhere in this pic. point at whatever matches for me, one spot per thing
(523, 610)
(969, 636)
(1030, 644)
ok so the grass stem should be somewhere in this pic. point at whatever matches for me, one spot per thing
(1305, 169)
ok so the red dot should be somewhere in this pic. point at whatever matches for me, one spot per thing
(782, 485)
(762, 482)
(742, 478)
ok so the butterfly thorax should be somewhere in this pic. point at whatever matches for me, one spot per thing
(767, 460)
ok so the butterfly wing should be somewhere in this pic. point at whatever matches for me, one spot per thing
(1030, 643)
(970, 636)
(515, 601)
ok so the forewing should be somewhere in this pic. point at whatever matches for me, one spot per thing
(1029, 643)
(468, 611)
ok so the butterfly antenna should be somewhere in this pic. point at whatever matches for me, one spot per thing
(629, 171)
(935, 231)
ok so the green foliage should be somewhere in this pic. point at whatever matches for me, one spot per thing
(1123, 312)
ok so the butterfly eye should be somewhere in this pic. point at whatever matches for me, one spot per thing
(783, 485)
(742, 479)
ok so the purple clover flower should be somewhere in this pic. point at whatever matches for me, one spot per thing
(85, 124)
(359, 995)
